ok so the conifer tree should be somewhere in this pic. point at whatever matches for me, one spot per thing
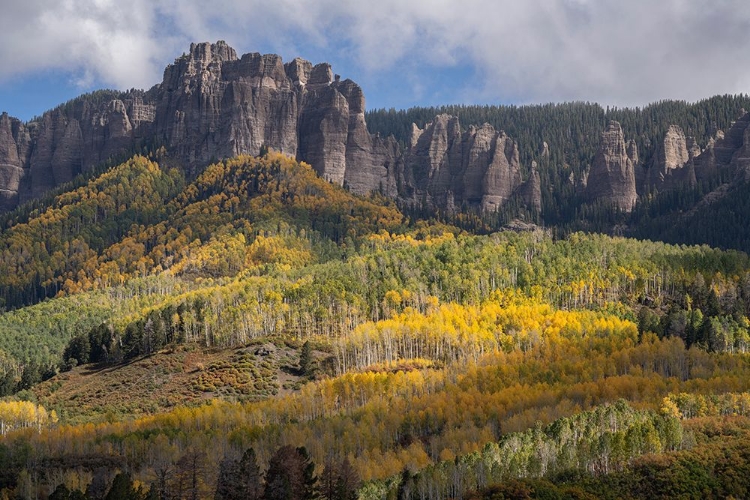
(290, 475)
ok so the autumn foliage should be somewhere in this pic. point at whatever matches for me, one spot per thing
(353, 351)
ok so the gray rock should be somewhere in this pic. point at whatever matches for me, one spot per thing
(12, 160)
(530, 191)
(444, 168)
(544, 150)
(672, 165)
(741, 158)
(612, 174)
(726, 151)
(212, 104)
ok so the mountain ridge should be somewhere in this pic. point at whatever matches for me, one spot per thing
(214, 104)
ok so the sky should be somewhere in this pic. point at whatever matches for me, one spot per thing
(403, 53)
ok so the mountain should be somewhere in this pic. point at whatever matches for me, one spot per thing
(183, 323)
(573, 166)
(213, 104)
(166, 321)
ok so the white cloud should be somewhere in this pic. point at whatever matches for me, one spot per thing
(615, 52)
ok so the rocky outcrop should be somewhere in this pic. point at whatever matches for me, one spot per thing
(729, 142)
(612, 174)
(530, 192)
(740, 162)
(726, 152)
(212, 104)
(679, 160)
(14, 145)
(446, 168)
(673, 162)
(544, 150)
(71, 139)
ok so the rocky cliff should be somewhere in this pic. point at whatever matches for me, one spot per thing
(213, 104)
(612, 174)
(740, 162)
(479, 167)
(678, 161)
(210, 105)
(14, 152)
(673, 163)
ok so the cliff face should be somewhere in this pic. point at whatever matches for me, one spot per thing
(480, 167)
(673, 162)
(680, 161)
(65, 142)
(530, 191)
(740, 162)
(14, 148)
(210, 105)
(213, 104)
(612, 174)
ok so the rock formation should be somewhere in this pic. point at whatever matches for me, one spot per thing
(212, 104)
(679, 160)
(612, 174)
(530, 191)
(673, 161)
(14, 146)
(726, 151)
(740, 162)
(444, 167)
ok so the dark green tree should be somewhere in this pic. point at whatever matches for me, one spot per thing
(60, 493)
(348, 481)
(306, 359)
(290, 475)
(251, 479)
(227, 485)
(122, 488)
(239, 479)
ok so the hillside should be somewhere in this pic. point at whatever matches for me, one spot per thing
(644, 172)
(164, 327)
(184, 375)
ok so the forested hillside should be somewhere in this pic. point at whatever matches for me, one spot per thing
(571, 130)
(258, 332)
(563, 140)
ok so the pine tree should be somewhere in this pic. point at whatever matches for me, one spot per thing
(348, 482)
(122, 488)
(250, 476)
(406, 485)
(290, 475)
(227, 485)
(60, 493)
(305, 359)
(239, 480)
